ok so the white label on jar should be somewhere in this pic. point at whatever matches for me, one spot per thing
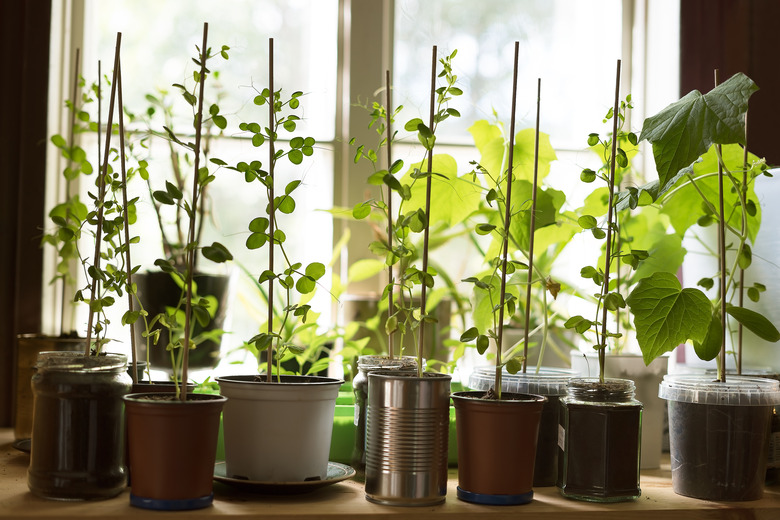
(561, 437)
(773, 461)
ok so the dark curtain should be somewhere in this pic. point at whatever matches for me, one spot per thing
(736, 36)
(24, 33)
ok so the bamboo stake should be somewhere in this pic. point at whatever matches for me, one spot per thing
(507, 219)
(128, 265)
(194, 213)
(722, 262)
(71, 136)
(428, 185)
(610, 211)
(390, 304)
(102, 190)
(272, 209)
(533, 229)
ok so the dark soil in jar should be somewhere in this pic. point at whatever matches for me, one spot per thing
(546, 464)
(77, 447)
(601, 457)
(718, 452)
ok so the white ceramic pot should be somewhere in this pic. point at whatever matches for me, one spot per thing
(279, 431)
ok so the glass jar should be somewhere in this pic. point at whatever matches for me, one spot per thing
(366, 365)
(78, 430)
(599, 436)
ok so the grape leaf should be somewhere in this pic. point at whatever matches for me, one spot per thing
(686, 129)
(666, 315)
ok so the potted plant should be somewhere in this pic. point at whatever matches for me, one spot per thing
(600, 418)
(720, 425)
(488, 472)
(643, 246)
(161, 290)
(77, 430)
(277, 427)
(172, 437)
(403, 405)
(67, 216)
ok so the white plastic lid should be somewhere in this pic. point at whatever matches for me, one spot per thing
(548, 381)
(736, 391)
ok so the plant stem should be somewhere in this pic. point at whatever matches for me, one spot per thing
(533, 229)
(128, 265)
(71, 136)
(610, 213)
(428, 185)
(743, 189)
(102, 193)
(390, 302)
(272, 209)
(193, 215)
(722, 261)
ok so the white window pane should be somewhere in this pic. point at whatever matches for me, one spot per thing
(159, 38)
(572, 45)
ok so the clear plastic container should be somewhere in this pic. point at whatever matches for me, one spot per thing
(549, 382)
(719, 434)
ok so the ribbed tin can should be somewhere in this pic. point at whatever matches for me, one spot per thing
(407, 431)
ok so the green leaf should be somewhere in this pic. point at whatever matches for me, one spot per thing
(295, 156)
(285, 204)
(218, 253)
(361, 211)
(684, 203)
(709, 348)
(456, 196)
(163, 198)
(483, 342)
(315, 270)
(256, 240)
(755, 323)
(587, 222)
(666, 315)
(258, 225)
(686, 129)
(587, 175)
(305, 285)
(365, 268)
(470, 335)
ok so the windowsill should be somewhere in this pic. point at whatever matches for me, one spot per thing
(347, 500)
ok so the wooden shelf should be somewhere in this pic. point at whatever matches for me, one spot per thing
(346, 500)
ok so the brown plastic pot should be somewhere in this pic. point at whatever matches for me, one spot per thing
(497, 446)
(172, 447)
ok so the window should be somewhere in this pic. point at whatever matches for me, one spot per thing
(336, 51)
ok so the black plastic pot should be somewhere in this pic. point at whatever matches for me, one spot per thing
(157, 291)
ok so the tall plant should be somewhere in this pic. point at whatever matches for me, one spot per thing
(412, 215)
(695, 145)
(607, 298)
(265, 229)
(181, 324)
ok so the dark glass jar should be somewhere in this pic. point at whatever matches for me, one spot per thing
(599, 436)
(78, 430)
